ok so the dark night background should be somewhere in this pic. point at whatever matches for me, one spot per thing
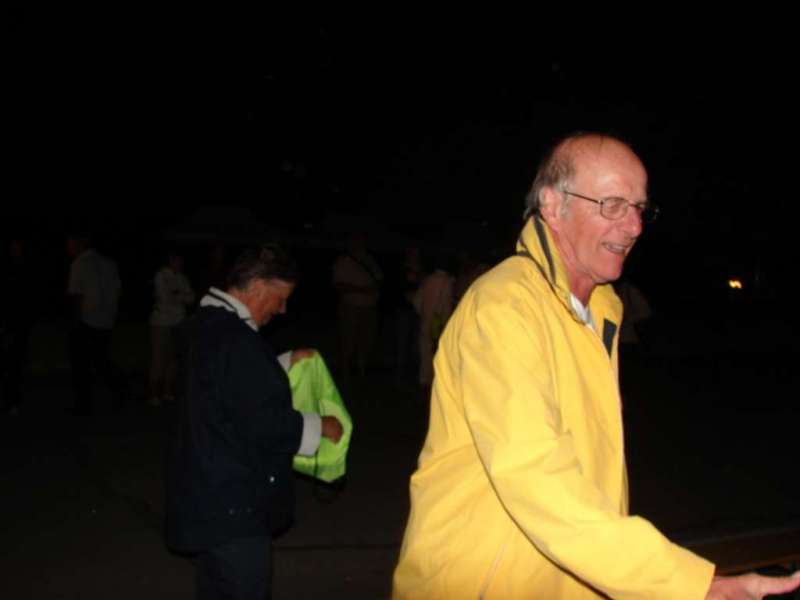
(164, 125)
(414, 128)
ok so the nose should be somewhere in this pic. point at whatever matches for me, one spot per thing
(631, 223)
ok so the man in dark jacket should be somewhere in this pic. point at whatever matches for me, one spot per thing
(229, 480)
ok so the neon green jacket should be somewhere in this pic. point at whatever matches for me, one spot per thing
(314, 391)
(521, 487)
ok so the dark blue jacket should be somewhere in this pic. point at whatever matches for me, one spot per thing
(229, 473)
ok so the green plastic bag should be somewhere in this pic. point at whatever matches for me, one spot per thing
(314, 391)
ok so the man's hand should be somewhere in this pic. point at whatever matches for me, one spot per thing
(331, 429)
(300, 354)
(751, 586)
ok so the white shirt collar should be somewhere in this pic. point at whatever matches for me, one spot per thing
(582, 311)
(219, 299)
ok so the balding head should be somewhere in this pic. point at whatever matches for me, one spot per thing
(571, 154)
(594, 236)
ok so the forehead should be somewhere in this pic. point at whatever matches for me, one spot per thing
(609, 168)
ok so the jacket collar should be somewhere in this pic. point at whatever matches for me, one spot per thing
(219, 299)
(536, 242)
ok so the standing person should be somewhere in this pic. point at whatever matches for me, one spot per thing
(16, 321)
(469, 270)
(230, 485)
(521, 487)
(358, 278)
(406, 317)
(94, 290)
(434, 302)
(173, 294)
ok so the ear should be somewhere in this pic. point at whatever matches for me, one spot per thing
(550, 206)
(254, 289)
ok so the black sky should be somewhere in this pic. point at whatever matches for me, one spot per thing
(136, 120)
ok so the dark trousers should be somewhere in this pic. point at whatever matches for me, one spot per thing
(238, 570)
(90, 355)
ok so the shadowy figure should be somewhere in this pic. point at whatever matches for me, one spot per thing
(406, 317)
(94, 289)
(173, 295)
(469, 270)
(230, 486)
(358, 278)
(434, 304)
(17, 314)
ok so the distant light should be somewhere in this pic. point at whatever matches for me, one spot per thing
(308, 225)
(734, 284)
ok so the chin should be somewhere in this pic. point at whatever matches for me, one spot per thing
(611, 275)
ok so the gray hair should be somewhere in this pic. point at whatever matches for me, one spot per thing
(556, 171)
(266, 262)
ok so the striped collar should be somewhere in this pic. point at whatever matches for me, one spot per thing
(219, 299)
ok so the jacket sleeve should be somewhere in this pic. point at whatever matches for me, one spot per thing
(260, 403)
(511, 410)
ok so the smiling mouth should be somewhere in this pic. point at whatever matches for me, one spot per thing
(616, 248)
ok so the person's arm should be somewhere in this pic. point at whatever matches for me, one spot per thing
(314, 426)
(186, 291)
(256, 397)
(510, 406)
(330, 427)
(161, 289)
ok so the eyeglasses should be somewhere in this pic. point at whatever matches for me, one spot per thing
(614, 208)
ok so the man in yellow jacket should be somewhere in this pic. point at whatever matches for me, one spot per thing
(521, 487)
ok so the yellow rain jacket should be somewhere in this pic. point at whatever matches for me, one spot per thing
(521, 487)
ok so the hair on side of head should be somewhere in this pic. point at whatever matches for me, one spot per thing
(268, 261)
(557, 168)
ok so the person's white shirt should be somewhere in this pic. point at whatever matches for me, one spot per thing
(95, 279)
(359, 270)
(173, 293)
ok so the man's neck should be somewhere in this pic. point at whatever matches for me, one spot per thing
(579, 286)
(241, 296)
(581, 291)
